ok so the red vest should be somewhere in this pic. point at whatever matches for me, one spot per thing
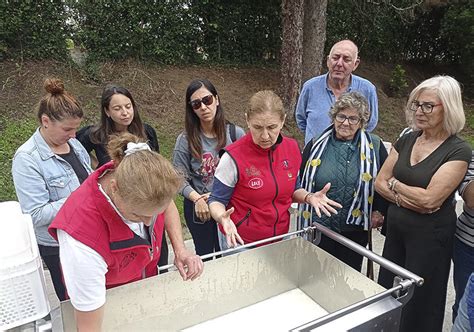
(265, 186)
(88, 217)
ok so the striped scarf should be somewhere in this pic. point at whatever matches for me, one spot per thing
(361, 207)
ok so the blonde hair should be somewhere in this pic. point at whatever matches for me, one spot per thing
(448, 91)
(143, 177)
(266, 101)
(58, 104)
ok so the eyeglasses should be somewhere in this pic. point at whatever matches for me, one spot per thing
(353, 120)
(425, 107)
(196, 103)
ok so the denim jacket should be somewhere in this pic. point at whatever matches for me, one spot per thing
(43, 181)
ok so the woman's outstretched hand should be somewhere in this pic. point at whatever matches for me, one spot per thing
(320, 202)
(231, 234)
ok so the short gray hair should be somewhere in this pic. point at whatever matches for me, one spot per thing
(353, 100)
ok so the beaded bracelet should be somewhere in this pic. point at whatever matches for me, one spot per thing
(397, 199)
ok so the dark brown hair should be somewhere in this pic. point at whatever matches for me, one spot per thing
(192, 124)
(101, 133)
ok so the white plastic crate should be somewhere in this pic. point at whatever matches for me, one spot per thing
(23, 296)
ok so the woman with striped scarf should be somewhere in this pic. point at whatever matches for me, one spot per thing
(348, 157)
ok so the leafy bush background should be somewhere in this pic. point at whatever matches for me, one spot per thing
(223, 31)
(244, 32)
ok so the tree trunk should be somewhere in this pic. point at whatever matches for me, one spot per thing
(291, 53)
(314, 37)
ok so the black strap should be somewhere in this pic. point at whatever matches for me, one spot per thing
(370, 264)
(233, 135)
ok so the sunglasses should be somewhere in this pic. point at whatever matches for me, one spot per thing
(196, 103)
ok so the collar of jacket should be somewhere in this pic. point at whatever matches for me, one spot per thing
(44, 150)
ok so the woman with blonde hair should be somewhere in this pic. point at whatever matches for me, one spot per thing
(419, 178)
(110, 228)
(48, 167)
(257, 178)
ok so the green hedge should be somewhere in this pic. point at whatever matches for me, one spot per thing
(13, 135)
(224, 31)
(33, 29)
(164, 31)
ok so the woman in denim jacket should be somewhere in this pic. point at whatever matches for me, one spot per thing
(48, 167)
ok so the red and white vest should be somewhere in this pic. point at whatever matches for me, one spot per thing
(89, 218)
(266, 183)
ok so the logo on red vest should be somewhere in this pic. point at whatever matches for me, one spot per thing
(127, 259)
(256, 183)
(252, 171)
(286, 164)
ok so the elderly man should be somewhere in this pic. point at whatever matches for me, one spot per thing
(319, 93)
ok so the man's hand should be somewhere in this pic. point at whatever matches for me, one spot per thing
(189, 265)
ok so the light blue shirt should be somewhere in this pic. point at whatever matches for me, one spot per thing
(43, 181)
(316, 99)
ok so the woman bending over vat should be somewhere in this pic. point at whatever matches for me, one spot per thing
(349, 158)
(109, 230)
(48, 167)
(257, 179)
(419, 178)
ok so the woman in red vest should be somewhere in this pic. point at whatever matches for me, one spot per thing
(256, 179)
(110, 229)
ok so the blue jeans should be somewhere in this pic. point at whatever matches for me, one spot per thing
(465, 319)
(463, 258)
(204, 234)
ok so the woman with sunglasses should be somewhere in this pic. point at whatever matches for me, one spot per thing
(197, 154)
(348, 157)
(419, 178)
(118, 114)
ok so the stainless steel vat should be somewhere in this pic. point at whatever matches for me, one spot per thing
(166, 303)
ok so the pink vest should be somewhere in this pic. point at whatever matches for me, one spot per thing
(88, 217)
(265, 186)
